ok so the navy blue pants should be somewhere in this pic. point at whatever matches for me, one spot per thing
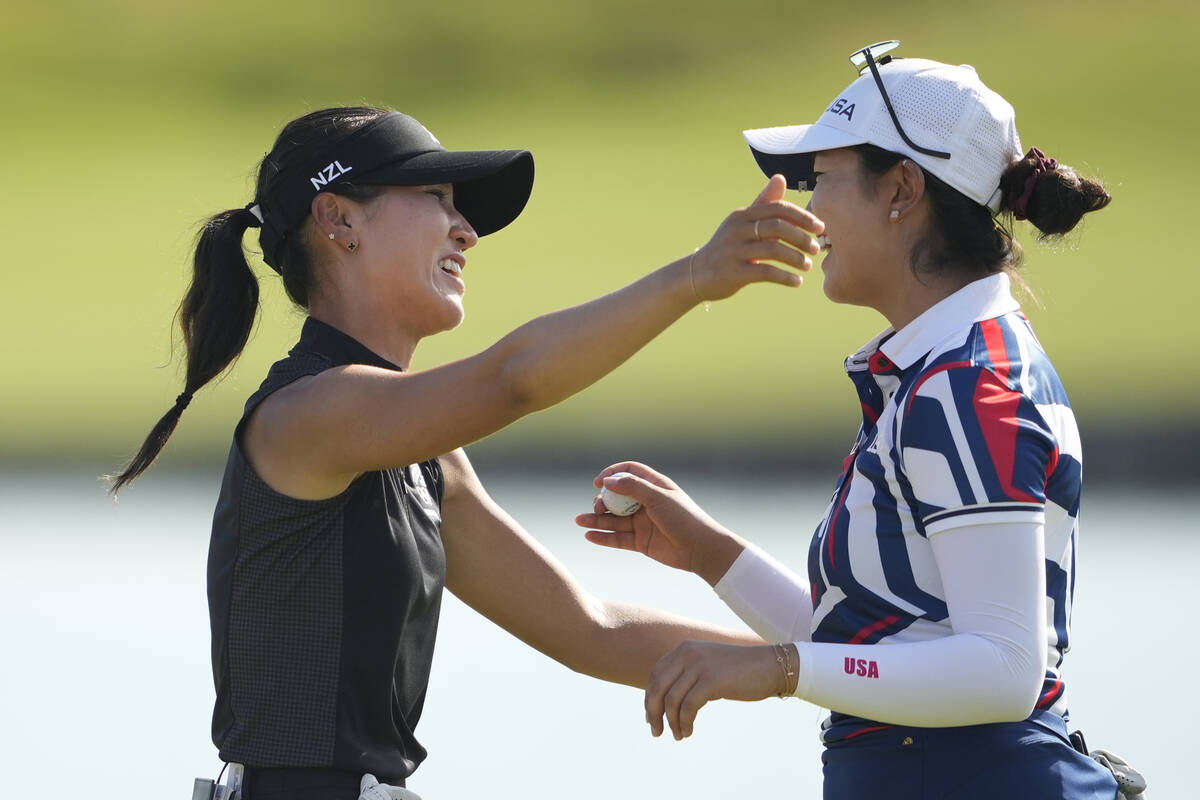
(1001, 761)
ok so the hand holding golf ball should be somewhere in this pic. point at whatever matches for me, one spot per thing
(671, 528)
(622, 505)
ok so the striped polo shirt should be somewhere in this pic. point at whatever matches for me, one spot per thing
(964, 421)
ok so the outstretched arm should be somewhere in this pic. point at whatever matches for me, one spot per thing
(498, 569)
(310, 439)
(989, 670)
(774, 601)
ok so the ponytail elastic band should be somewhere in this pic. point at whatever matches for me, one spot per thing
(1020, 206)
(256, 213)
(181, 402)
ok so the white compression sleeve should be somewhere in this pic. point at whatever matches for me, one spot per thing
(774, 601)
(989, 670)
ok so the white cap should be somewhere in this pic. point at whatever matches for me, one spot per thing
(941, 107)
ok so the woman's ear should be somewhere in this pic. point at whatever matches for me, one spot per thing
(908, 188)
(329, 215)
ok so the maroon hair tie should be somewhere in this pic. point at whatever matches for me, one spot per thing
(1044, 165)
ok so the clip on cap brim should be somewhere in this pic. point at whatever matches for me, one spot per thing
(790, 150)
(796, 168)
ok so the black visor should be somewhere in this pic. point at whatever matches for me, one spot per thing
(797, 168)
(491, 187)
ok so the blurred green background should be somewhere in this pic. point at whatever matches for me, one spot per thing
(128, 122)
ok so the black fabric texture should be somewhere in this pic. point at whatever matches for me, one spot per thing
(300, 784)
(324, 613)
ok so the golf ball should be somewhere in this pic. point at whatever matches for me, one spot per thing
(620, 504)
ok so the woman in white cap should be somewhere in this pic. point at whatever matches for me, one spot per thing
(934, 616)
(347, 503)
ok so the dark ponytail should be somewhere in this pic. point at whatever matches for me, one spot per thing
(218, 311)
(966, 239)
(1052, 196)
(216, 317)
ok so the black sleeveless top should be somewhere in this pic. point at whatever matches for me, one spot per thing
(324, 612)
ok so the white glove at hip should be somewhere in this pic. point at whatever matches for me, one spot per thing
(371, 789)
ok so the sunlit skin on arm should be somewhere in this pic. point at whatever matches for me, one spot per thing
(312, 438)
(498, 569)
(673, 530)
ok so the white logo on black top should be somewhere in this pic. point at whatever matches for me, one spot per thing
(417, 487)
(334, 170)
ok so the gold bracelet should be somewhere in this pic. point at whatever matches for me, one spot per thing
(784, 661)
(692, 278)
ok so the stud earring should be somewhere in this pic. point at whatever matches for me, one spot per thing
(894, 216)
(352, 246)
(331, 236)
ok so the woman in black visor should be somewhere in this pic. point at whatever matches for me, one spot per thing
(347, 503)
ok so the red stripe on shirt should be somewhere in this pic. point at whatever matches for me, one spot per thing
(996, 409)
(873, 628)
(833, 520)
(866, 730)
(847, 467)
(1052, 694)
(993, 337)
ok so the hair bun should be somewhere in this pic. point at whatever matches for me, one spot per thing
(1053, 196)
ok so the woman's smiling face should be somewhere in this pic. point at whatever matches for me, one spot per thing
(857, 266)
(415, 251)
